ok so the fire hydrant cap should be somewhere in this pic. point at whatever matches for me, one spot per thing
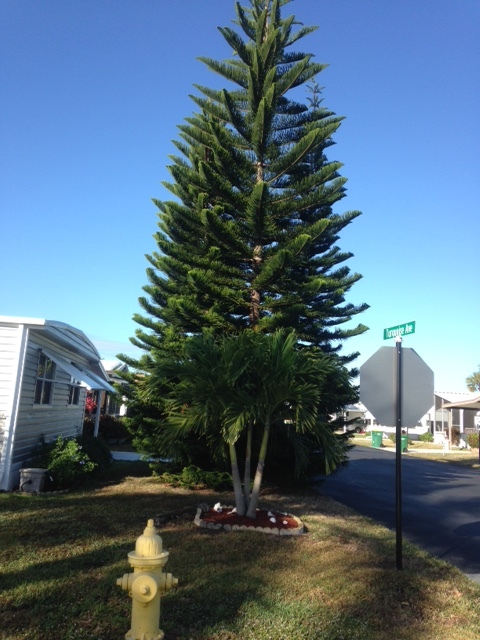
(150, 543)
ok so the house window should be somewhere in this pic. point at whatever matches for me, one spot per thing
(44, 381)
(74, 392)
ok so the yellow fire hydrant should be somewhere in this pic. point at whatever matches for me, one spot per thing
(146, 585)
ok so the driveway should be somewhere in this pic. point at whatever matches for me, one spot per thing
(441, 502)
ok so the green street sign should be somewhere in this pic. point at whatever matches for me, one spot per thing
(399, 331)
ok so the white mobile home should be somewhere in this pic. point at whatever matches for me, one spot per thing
(46, 368)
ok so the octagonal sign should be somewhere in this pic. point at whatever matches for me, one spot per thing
(378, 386)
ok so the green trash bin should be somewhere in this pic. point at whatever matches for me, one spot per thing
(404, 443)
(377, 437)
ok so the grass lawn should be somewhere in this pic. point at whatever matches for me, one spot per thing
(60, 556)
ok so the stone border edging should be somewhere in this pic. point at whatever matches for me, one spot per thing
(227, 527)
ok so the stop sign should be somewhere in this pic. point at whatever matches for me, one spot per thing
(378, 386)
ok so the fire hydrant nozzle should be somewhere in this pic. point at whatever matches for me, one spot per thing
(146, 585)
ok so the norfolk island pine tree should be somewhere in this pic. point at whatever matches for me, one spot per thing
(249, 243)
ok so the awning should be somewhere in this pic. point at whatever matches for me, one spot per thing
(470, 403)
(86, 378)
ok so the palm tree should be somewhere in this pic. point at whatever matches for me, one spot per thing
(245, 386)
(473, 381)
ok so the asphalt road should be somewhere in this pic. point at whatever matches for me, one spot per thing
(440, 502)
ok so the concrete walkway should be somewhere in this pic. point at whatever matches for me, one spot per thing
(412, 451)
(125, 455)
(133, 455)
(366, 442)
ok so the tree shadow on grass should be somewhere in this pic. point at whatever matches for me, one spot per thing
(63, 554)
(413, 603)
(70, 584)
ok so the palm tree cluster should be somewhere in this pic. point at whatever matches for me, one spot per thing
(232, 388)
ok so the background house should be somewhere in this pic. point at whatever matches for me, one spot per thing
(46, 368)
(456, 422)
(115, 405)
(439, 420)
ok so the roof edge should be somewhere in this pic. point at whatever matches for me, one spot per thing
(54, 324)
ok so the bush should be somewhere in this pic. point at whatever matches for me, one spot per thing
(112, 428)
(68, 463)
(40, 457)
(426, 437)
(68, 459)
(109, 428)
(472, 440)
(96, 449)
(193, 477)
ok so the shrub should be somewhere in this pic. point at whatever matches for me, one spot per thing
(193, 477)
(40, 457)
(69, 463)
(96, 449)
(426, 437)
(109, 428)
(88, 428)
(472, 440)
(68, 459)
(113, 428)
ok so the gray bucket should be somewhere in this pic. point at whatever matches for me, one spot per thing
(32, 480)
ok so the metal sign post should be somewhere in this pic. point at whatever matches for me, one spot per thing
(397, 387)
(398, 451)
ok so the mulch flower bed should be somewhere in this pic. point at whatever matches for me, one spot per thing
(226, 519)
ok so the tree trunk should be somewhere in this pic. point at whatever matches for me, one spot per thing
(237, 483)
(255, 296)
(248, 459)
(252, 507)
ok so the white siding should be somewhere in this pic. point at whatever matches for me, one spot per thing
(9, 344)
(8, 349)
(21, 421)
(14, 344)
(49, 421)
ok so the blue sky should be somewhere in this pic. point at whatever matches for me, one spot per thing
(92, 93)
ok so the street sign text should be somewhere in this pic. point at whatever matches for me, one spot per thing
(399, 331)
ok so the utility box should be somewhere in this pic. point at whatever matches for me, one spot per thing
(32, 480)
